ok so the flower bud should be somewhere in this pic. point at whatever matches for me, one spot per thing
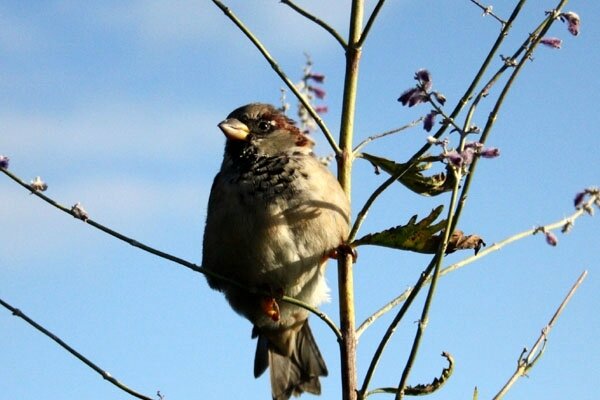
(38, 185)
(551, 238)
(4, 161)
(573, 22)
(553, 42)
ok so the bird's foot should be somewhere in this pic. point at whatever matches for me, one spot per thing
(343, 250)
(270, 306)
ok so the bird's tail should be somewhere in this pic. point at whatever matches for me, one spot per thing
(294, 369)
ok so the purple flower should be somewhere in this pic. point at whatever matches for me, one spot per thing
(467, 155)
(490, 152)
(319, 93)
(4, 160)
(319, 78)
(454, 158)
(429, 120)
(474, 145)
(551, 238)
(440, 98)
(573, 22)
(579, 197)
(424, 78)
(321, 109)
(412, 97)
(553, 42)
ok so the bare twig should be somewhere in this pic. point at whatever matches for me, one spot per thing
(324, 317)
(488, 10)
(527, 359)
(384, 134)
(317, 21)
(275, 66)
(107, 376)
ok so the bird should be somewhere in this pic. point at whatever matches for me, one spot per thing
(275, 215)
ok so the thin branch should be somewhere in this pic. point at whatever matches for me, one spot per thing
(560, 224)
(167, 256)
(275, 66)
(487, 10)
(370, 22)
(384, 134)
(107, 376)
(450, 222)
(424, 277)
(527, 359)
(317, 21)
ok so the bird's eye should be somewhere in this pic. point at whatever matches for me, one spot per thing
(264, 125)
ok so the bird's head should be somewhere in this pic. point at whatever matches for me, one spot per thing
(265, 130)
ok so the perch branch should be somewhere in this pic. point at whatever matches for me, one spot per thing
(167, 256)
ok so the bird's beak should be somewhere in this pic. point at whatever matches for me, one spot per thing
(234, 129)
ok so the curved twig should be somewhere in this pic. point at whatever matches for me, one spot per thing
(423, 389)
(317, 21)
(368, 140)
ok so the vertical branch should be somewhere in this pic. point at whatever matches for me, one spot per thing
(438, 259)
(345, 273)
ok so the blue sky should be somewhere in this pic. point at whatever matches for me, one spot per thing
(115, 105)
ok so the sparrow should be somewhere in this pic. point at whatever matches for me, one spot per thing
(275, 215)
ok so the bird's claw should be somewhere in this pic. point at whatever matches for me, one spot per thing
(270, 306)
(343, 250)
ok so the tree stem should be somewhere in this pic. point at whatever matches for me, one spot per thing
(344, 160)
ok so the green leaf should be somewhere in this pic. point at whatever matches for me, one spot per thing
(422, 237)
(413, 177)
(414, 236)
